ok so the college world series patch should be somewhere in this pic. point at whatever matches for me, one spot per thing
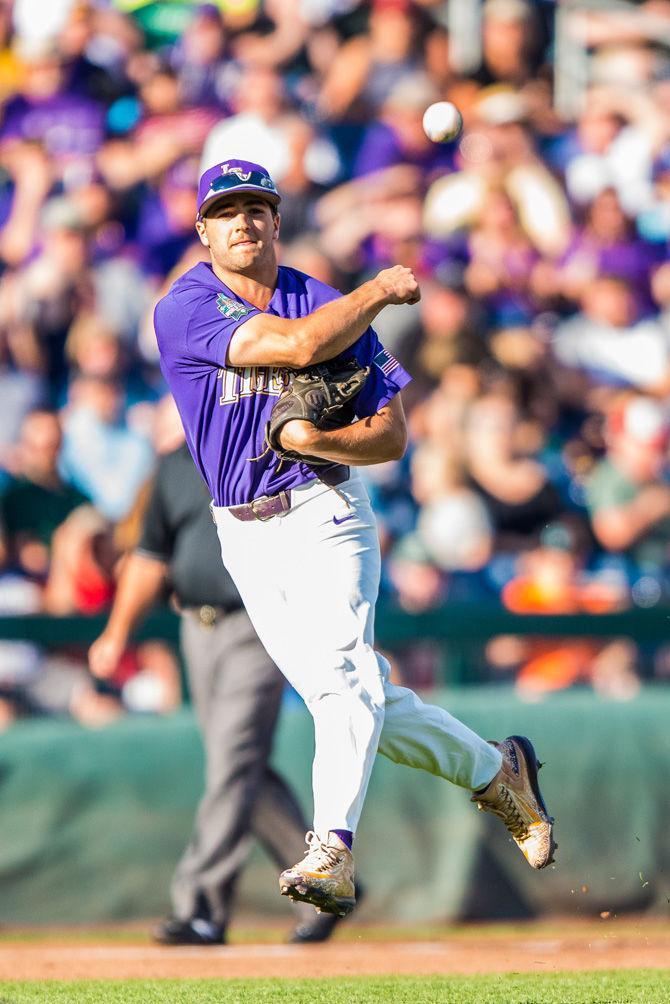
(231, 308)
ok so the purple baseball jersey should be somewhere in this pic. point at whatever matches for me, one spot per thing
(224, 409)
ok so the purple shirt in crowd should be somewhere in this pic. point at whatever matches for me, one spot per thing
(632, 260)
(224, 409)
(382, 148)
(68, 125)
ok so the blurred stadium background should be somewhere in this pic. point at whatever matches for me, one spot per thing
(526, 534)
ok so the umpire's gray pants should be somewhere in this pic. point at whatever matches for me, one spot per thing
(236, 692)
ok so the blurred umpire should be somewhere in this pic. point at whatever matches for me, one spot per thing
(236, 691)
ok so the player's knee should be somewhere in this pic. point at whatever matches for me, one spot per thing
(372, 679)
(357, 675)
(355, 711)
(351, 697)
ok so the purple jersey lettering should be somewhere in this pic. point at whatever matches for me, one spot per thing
(224, 409)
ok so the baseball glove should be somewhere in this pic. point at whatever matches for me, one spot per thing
(322, 394)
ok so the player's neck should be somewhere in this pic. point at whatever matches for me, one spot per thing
(256, 289)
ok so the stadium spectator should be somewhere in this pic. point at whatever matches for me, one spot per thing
(69, 126)
(501, 260)
(608, 149)
(20, 392)
(551, 579)
(604, 343)
(80, 578)
(165, 218)
(102, 453)
(256, 127)
(499, 152)
(627, 492)
(39, 300)
(512, 48)
(201, 59)
(370, 65)
(37, 500)
(29, 179)
(607, 244)
(453, 524)
(397, 135)
(511, 480)
(365, 220)
(417, 582)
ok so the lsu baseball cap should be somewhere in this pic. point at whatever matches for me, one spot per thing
(232, 177)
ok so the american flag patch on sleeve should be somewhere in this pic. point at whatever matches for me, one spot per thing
(385, 361)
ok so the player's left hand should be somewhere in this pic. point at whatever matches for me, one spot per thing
(297, 435)
(319, 397)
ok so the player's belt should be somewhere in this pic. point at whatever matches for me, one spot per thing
(268, 506)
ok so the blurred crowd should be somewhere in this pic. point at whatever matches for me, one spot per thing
(538, 474)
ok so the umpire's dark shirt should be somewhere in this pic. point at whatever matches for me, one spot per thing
(178, 529)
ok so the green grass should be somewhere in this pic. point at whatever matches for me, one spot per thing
(641, 986)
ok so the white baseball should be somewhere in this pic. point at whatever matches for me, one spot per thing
(442, 122)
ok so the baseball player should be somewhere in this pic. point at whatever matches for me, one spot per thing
(298, 536)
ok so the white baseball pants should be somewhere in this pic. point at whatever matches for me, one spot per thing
(309, 580)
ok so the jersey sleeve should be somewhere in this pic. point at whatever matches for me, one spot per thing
(387, 377)
(199, 331)
(211, 329)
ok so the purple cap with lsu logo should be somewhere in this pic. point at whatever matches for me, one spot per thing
(232, 177)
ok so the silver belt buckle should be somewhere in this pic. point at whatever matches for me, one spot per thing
(255, 502)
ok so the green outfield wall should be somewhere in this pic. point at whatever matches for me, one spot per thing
(453, 622)
(93, 821)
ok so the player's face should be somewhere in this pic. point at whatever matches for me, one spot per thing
(240, 232)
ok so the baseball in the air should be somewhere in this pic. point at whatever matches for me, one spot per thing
(442, 122)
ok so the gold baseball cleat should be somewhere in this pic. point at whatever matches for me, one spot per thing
(514, 796)
(324, 877)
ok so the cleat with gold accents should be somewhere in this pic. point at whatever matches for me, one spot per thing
(514, 796)
(324, 877)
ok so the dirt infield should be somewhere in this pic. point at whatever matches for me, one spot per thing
(536, 948)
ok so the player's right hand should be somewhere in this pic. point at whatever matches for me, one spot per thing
(399, 285)
(104, 655)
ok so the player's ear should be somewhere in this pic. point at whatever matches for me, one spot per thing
(277, 221)
(202, 232)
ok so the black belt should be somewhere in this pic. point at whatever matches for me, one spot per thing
(272, 505)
